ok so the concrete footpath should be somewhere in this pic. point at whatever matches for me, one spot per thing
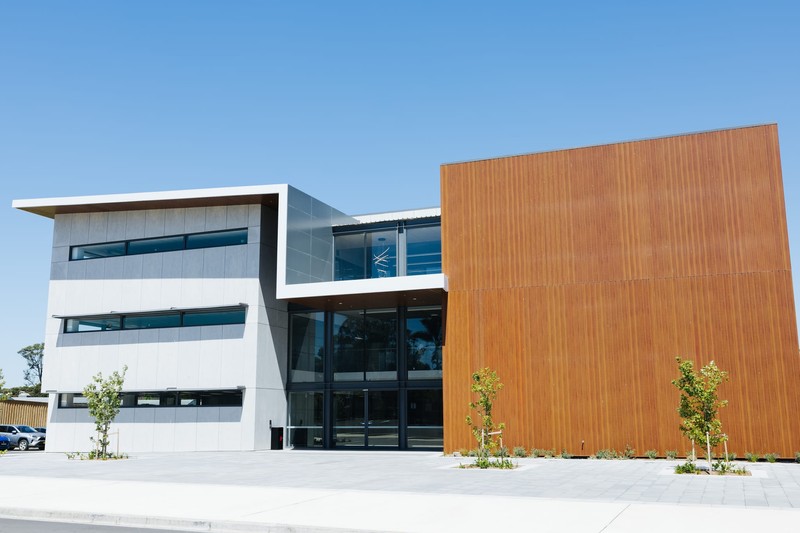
(414, 492)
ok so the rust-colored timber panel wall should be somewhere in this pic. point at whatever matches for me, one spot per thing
(692, 205)
(580, 275)
(28, 413)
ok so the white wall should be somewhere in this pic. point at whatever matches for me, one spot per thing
(210, 357)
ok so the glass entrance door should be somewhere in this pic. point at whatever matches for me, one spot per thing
(365, 419)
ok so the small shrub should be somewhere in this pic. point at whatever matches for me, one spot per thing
(651, 454)
(565, 454)
(771, 457)
(723, 468)
(797, 457)
(606, 454)
(520, 451)
(463, 452)
(629, 453)
(535, 452)
(752, 457)
(731, 457)
(502, 451)
(671, 454)
(689, 454)
(486, 462)
(95, 455)
(549, 453)
(686, 468)
(472, 453)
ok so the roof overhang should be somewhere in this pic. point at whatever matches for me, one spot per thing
(429, 289)
(256, 194)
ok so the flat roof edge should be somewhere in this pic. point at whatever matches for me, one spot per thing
(48, 207)
(668, 136)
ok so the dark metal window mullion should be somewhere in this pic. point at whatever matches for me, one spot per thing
(401, 255)
(366, 417)
(364, 353)
(367, 259)
(327, 393)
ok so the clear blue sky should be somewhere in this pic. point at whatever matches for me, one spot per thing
(356, 103)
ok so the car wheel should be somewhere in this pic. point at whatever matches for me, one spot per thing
(22, 444)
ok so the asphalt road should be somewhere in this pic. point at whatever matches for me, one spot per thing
(37, 526)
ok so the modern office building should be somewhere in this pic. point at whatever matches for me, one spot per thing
(251, 314)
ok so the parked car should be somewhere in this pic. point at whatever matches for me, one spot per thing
(22, 436)
(5, 443)
(41, 430)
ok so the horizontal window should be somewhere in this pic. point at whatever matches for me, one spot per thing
(205, 398)
(159, 244)
(405, 248)
(162, 319)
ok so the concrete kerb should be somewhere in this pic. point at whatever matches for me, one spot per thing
(154, 522)
(360, 491)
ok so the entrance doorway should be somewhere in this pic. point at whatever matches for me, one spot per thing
(366, 419)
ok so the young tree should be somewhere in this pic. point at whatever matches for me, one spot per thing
(34, 357)
(486, 385)
(103, 399)
(700, 404)
(3, 394)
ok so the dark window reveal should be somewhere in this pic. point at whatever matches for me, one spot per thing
(159, 244)
(161, 319)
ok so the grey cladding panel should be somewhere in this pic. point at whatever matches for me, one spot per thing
(235, 261)
(61, 230)
(154, 223)
(195, 219)
(95, 269)
(214, 263)
(174, 221)
(114, 267)
(236, 216)
(172, 266)
(192, 266)
(152, 266)
(98, 227)
(216, 218)
(79, 230)
(60, 254)
(116, 226)
(134, 224)
(133, 267)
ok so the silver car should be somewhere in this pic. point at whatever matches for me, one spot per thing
(22, 436)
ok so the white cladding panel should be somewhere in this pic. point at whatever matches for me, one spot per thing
(252, 355)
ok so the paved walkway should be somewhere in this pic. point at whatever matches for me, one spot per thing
(376, 491)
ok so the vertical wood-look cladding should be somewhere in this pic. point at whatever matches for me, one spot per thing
(580, 275)
(28, 413)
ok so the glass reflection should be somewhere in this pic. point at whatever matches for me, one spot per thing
(424, 343)
(423, 250)
(308, 346)
(305, 419)
(425, 418)
(348, 419)
(348, 346)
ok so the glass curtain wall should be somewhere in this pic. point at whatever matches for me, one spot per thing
(403, 249)
(366, 378)
(365, 345)
(424, 343)
(305, 419)
(308, 346)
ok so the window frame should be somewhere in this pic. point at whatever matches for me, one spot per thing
(185, 245)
